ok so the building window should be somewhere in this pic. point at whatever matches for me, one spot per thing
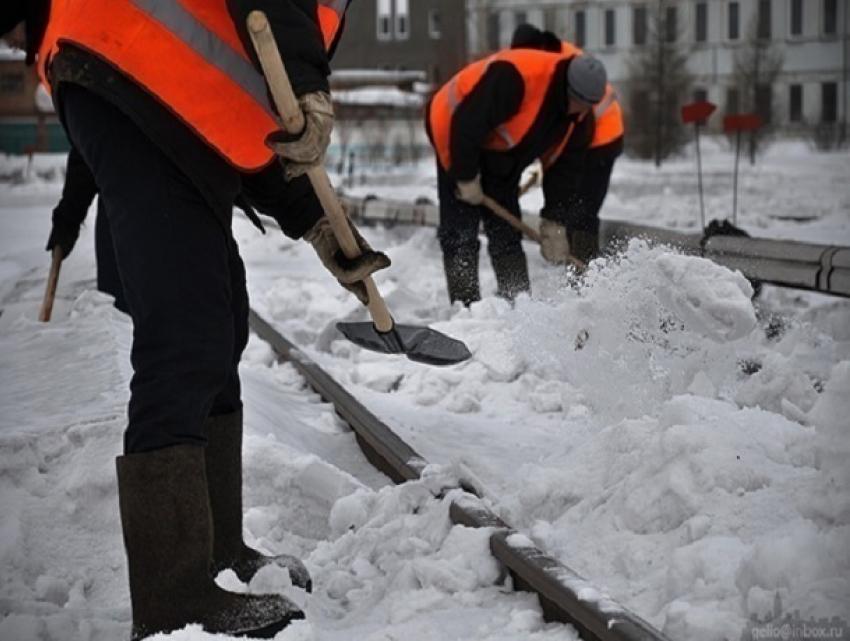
(520, 17)
(671, 24)
(12, 83)
(829, 102)
(830, 17)
(402, 19)
(764, 102)
(734, 18)
(435, 25)
(550, 20)
(639, 25)
(580, 29)
(384, 20)
(796, 17)
(701, 26)
(700, 94)
(763, 32)
(610, 27)
(732, 101)
(493, 32)
(795, 103)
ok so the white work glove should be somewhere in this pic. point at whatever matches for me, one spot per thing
(302, 151)
(350, 272)
(554, 244)
(470, 191)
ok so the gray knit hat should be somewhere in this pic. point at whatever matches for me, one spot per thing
(586, 79)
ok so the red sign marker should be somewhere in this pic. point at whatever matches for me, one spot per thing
(741, 122)
(697, 111)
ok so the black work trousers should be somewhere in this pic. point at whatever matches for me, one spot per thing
(181, 274)
(108, 278)
(460, 221)
(576, 200)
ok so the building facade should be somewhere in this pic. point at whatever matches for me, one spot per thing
(426, 36)
(27, 120)
(810, 36)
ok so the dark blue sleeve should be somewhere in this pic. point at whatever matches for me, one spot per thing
(295, 24)
(293, 204)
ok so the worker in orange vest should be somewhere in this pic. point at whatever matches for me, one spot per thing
(167, 105)
(487, 124)
(576, 183)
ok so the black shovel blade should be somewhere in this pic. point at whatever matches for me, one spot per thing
(420, 344)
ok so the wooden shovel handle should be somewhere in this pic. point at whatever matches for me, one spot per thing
(532, 180)
(528, 230)
(50, 290)
(505, 215)
(293, 120)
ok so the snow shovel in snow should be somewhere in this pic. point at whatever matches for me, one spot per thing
(528, 230)
(50, 290)
(420, 344)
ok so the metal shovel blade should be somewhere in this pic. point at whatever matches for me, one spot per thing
(420, 344)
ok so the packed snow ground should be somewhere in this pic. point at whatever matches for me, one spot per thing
(680, 459)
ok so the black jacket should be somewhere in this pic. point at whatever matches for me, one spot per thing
(294, 205)
(78, 192)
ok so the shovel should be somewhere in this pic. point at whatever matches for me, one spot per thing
(528, 230)
(50, 290)
(420, 344)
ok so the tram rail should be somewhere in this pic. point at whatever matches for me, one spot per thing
(564, 595)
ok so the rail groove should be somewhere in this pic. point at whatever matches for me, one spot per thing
(564, 595)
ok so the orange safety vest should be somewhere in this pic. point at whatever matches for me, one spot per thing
(537, 69)
(331, 13)
(186, 53)
(609, 115)
(609, 119)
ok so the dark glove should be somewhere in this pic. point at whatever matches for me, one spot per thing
(307, 149)
(350, 272)
(64, 233)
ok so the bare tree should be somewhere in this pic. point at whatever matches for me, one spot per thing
(658, 83)
(758, 63)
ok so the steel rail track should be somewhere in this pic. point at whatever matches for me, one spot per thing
(799, 265)
(564, 595)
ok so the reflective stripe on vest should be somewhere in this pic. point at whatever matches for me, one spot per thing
(227, 56)
(537, 69)
(551, 154)
(609, 119)
(188, 54)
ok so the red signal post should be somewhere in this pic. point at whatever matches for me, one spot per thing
(737, 124)
(697, 113)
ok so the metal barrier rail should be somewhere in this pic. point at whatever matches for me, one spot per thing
(814, 267)
(564, 595)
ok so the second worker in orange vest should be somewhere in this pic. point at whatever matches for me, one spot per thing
(487, 124)
(576, 183)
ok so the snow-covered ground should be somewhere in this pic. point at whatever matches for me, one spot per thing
(680, 459)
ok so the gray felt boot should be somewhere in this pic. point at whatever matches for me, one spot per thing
(165, 516)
